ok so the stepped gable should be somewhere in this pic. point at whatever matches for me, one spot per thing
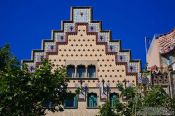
(91, 43)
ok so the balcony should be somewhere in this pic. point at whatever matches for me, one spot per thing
(84, 70)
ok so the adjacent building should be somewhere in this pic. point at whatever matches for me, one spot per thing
(94, 61)
(161, 61)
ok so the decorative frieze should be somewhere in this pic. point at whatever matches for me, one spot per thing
(59, 37)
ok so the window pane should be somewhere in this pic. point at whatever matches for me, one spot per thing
(113, 99)
(92, 100)
(81, 71)
(91, 71)
(71, 102)
(70, 71)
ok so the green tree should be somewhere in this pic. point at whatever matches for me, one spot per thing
(132, 100)
(156, 97)
(173, 104)
(119, 107)
(7, 61)
(30, 94)
(106, 110)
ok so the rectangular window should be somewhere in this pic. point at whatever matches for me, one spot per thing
(114, 98)
(92, 100)
(71, 102)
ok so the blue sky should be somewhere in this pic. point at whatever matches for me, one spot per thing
(24, 23)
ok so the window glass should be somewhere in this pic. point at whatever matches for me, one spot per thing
(71, 102)
(91, 71)
(81, 71)
(92, 100)
(70, 71)
(113, 99)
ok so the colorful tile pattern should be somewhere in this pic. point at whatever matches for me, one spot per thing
(59, 37)
(83, 15)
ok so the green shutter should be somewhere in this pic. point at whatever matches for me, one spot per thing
(75, 101)
(92, 101)
(113, 100)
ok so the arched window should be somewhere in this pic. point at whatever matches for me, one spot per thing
(70, 71)
(91, 71)
(81, 71)
(114, 97)
(92, 100)
(71, 101)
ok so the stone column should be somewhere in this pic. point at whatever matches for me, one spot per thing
(75, 74)
(86, 73)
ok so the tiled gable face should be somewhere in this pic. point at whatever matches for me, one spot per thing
(82, 42)
(81, 15)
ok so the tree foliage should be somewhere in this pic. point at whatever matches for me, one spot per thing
(106, 110)
(7, 61)
(24, 93)
(135, 101)
(156, 97)
(30, 94)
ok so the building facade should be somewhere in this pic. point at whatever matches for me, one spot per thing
(94, 61)
(161, 61)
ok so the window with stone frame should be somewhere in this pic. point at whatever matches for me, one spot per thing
(70, 71)
(91, 71)
(92, 100)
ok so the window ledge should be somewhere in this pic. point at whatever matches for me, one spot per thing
(70, 107)
(82, 78)
(92, 108)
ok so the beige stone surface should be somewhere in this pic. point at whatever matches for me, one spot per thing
(79, 47)
(106, 63)
(111, 73)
